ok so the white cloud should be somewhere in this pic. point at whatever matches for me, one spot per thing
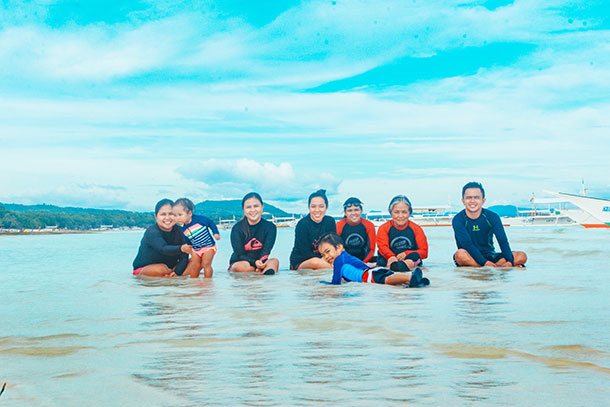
(545, 116)
(315, 41)
(234, 178)
(86, 196)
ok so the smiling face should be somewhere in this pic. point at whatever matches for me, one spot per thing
(165, 218)
(400, 214)
(329, 252)
(317, 209)
(353, 214)
(253, 210)
(182, 215)
(473, 202)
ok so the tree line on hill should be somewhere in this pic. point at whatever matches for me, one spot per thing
(14, 216)
(73, 221)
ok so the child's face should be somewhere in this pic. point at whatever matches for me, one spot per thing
(182, 215)
(329, 252)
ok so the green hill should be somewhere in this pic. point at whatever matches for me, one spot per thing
(227, 209)
(54, 209)
(13, 216)
(16, 216)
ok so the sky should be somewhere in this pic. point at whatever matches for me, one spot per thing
(119, 104)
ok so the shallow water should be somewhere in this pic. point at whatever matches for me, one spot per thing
(77, 329)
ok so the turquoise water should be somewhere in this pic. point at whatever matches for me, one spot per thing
(78, 329)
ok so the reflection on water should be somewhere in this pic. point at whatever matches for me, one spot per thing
(534, 336)
(485, 273)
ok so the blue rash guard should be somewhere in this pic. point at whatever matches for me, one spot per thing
(349, 268)
(476, 236)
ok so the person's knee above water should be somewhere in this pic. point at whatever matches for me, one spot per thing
(357, 233)
(401, 244)
(474, 228)
(162, 251)
(252, 239)
(351, 269)
(305, 254)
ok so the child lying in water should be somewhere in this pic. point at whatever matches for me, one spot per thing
(349, 268)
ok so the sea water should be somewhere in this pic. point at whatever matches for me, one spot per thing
(78, 329)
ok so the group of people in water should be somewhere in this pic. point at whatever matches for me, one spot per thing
(182, 243)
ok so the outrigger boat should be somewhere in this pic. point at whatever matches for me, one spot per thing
(424, 217)
(284, 222)
(593, 212)
(541, 217)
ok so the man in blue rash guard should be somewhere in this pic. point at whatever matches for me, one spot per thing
(474, 228)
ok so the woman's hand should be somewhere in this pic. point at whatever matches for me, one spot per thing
(185, 248)
(401, 256)
(217, 236)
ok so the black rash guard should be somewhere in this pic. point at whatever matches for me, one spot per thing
(252, 242)
(306, 236)
(359, 240)
(160, 247)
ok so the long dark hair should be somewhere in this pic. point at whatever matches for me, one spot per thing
(251, 195)
(244, 221)
(162, 203)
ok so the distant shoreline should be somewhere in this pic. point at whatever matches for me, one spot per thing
(36, 232)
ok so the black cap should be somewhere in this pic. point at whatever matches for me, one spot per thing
(353, 201)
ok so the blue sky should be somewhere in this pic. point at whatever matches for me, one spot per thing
(117, 105)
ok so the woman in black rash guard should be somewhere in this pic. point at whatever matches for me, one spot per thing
(162, 251)
(305, 254)
(252, 239)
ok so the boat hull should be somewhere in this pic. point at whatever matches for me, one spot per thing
(596, 210)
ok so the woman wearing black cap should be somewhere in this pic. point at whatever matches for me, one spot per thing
(357, 232)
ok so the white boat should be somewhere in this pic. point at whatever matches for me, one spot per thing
(424, 217)
(595, 212)
(541, 217)
(227, 224)
(284, 222)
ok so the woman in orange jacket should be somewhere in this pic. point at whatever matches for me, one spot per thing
(402, 244)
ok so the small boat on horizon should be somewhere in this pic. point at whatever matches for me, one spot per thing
(433, 216)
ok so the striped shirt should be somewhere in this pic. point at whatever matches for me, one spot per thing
(197, 232)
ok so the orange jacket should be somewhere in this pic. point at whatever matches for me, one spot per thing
(370, 231)
(383, 240)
